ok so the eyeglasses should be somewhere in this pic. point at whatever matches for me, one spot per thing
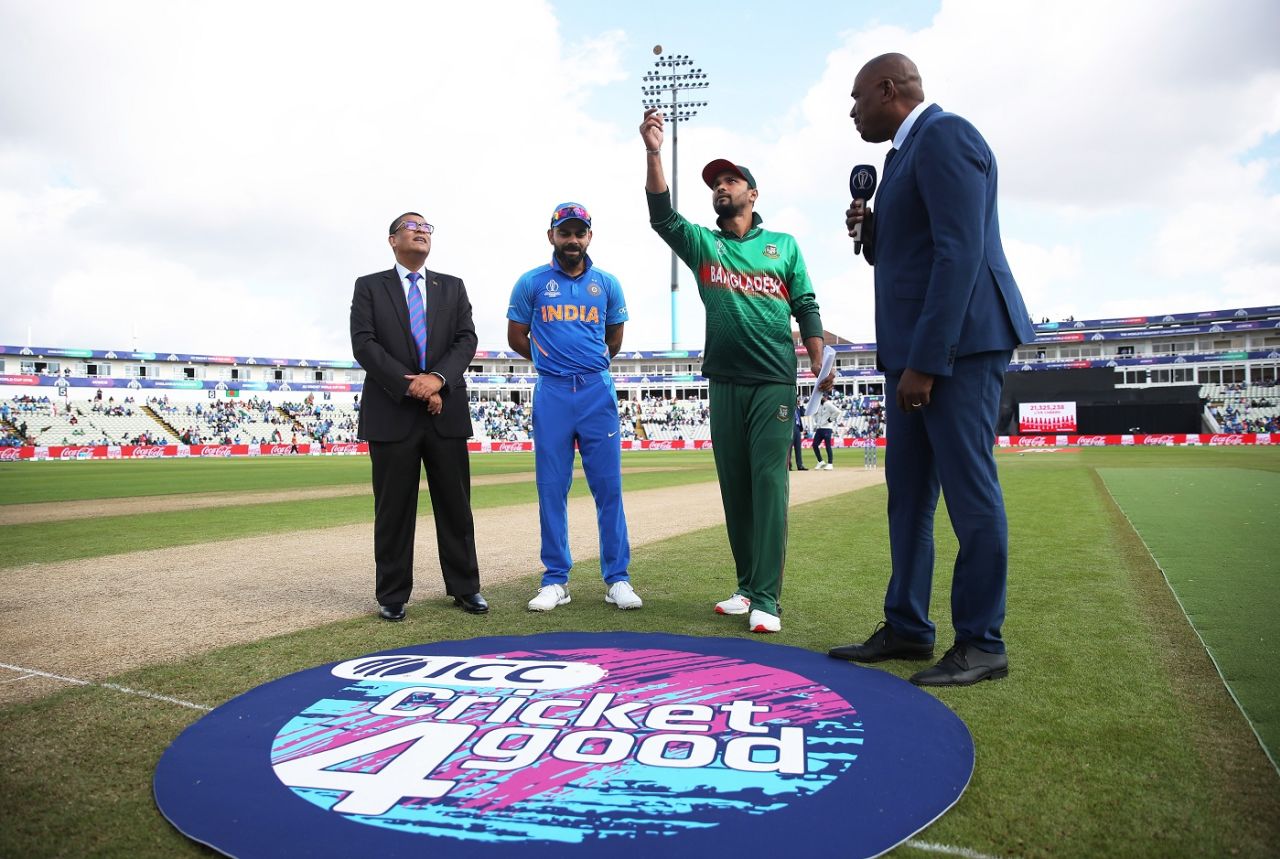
(570, 212)
(414, 226)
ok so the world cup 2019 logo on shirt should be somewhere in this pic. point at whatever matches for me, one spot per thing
(573, 742)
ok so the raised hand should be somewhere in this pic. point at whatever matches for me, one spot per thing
(651, 130)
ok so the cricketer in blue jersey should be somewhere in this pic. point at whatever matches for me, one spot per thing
(567, 317)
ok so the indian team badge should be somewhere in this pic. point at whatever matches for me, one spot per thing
(568, 746)
(771, 251)
(594, 289)
(553, 289)
(783, 412)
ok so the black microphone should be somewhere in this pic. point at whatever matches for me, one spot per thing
(862, 184)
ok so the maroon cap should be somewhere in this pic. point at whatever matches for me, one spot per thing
(722, 165)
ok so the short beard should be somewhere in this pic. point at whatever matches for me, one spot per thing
(560, 256)
(726, 209)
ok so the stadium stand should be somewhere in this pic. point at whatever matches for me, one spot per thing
(227, 422)
(326, 422)
(58, 396)
(1242, 408)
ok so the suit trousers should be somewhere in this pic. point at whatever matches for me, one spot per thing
(948, 445)
(751, 428)
(397, 466)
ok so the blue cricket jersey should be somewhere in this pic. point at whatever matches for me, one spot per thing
(567, 317)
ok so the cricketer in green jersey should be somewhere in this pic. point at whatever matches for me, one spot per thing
(752, 282)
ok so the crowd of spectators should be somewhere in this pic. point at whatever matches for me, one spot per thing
(677, 419)
(325, 423)
(502, 419)
(226, 421)
(1248, 408)
(242, 422)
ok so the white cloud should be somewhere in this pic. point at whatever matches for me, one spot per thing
(1099, 114)
(218, 174)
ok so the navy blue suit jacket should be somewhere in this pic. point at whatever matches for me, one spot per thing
(943, 285)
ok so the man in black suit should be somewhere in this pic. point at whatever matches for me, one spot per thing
(412, 333)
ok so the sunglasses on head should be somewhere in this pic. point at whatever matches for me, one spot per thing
(570, 212)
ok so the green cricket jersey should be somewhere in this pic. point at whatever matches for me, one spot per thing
(751, 287)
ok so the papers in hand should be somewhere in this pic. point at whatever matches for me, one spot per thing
(828, 361)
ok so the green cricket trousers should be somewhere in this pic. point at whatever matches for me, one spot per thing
(750, 435)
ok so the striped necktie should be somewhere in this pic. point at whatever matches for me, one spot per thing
(418, 319)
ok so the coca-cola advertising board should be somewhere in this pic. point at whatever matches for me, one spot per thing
(1047, 417)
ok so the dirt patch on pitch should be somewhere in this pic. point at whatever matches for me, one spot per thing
(91, 619)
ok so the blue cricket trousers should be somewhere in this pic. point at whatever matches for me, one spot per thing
(582, 409)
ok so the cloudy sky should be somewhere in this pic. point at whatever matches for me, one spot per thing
(211, 177)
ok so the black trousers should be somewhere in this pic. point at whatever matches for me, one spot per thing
(822, 437)
(397, 466)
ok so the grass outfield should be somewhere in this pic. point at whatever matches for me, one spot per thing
(1192, 520)
(1112, 736)
(45, 542)
(29, 482)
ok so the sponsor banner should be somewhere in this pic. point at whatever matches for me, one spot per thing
(70, 452)
(1147, 439)
(567, 745)
(1055, 417)
(148, 451)
(343, 448)
(499, 446)
(281, 448)
(74, 452)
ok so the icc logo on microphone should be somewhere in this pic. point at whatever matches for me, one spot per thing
(862, 180)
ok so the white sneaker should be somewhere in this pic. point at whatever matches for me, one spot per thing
(549, 596)
(762, 621)
(623, 595)
(828, 466)
(736, 604)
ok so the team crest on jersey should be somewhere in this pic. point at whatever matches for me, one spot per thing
(771, 251)
(553, 289)
(719, 247)
(594, 289)
(783, 412)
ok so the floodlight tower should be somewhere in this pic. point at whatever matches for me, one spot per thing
(672, 74)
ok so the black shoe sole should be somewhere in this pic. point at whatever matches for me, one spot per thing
(997, 674)
(391, 619)
(470, 610)
(922, 656)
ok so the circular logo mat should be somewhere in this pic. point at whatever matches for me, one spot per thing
(568, 744)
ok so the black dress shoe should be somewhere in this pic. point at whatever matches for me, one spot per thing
(964, 665)
(391, 611)
(883, 644)
(471, 603)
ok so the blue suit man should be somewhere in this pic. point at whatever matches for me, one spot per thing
(948, 316)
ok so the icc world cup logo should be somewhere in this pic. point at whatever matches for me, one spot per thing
(862, 180)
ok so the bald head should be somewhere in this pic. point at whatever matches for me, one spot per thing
(885, 91)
